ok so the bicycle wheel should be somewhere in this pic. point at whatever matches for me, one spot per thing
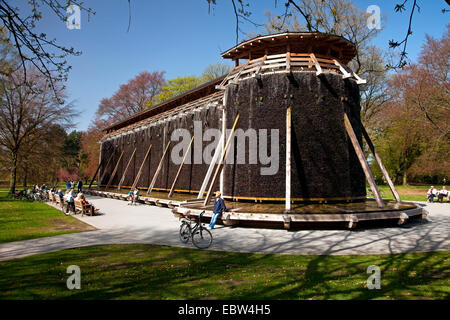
(202, 238)
(185, 232)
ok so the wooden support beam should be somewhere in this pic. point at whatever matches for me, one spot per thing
(210, 168)
(358, 79)
(288, 160)
(316, 64)
(352, 222)
(345, 73)
(114, 171)
(95, 174)
(179, 169)
(363, 161)
(380, 163)
(104, 173)
(288, 61)
(224, 129)
(100, 161)
(126, 169)
(136, 180)
(222, 162)
(155, 176)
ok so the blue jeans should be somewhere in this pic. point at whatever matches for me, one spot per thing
(214, 220)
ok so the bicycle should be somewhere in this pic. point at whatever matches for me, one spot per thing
(199, 235)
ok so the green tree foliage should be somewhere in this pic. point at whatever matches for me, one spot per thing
(413, 131)
(70, 150)
(215, 70)
(177, 86)
(47, 56)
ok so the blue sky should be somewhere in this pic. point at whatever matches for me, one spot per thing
(182, 38)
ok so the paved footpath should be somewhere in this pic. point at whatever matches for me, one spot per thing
(120, 223)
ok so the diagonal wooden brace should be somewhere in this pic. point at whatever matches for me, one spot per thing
(114, 171)
(155, 176)
(363, 161)
(136, 180)
(179, 169)
(126, 170)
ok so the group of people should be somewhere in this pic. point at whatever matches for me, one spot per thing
(71, 185)
(68, 198)
(442, 194)
(133, 196)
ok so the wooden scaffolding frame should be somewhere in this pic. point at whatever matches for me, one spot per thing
(155, 176)
(126, 170)
(136, 180)
(114, 171)
(363, 161)
(221, 162)
(179, 169)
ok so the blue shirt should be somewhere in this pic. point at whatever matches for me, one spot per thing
(219, 205)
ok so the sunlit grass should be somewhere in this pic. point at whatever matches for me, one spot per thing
(160, 272)
(22, 220)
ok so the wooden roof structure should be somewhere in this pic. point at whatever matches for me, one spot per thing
(323, 45)
(299, 42)
(201, 91)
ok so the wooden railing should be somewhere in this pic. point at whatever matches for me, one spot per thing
(288, 62)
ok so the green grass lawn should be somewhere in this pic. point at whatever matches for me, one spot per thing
(160, 272)
(406, 193)
(22, 220)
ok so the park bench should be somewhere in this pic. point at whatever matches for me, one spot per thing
(55, 196)
(84, 208)
(58, 200)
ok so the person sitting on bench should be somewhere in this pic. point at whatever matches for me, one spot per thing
(130, 197)
(135, 195)
(83, 200)
(431, 193)
(219, 207)
(69, 198)
(61, 198)
(443, 193)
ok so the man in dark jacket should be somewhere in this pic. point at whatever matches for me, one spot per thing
(80, 186)
(219, 207)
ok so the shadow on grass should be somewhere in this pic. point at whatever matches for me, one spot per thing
(159, 272)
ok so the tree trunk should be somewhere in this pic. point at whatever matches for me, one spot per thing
(12, 183)
(25, 177)
(405, 178)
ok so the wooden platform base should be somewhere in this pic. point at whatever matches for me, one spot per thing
(263, 215)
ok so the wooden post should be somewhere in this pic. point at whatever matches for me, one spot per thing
(103, 175)
(210, 168)
(316, 64)
(363, 161)
(95, 174)
(221, 162)
(126, 170)
(114, 171)
(158, 170)
(136, 180)
(288, 58)
(288, 159)
(223, 138)
(380, 163)
(100, 162)
(345, 73)
(179, 169)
